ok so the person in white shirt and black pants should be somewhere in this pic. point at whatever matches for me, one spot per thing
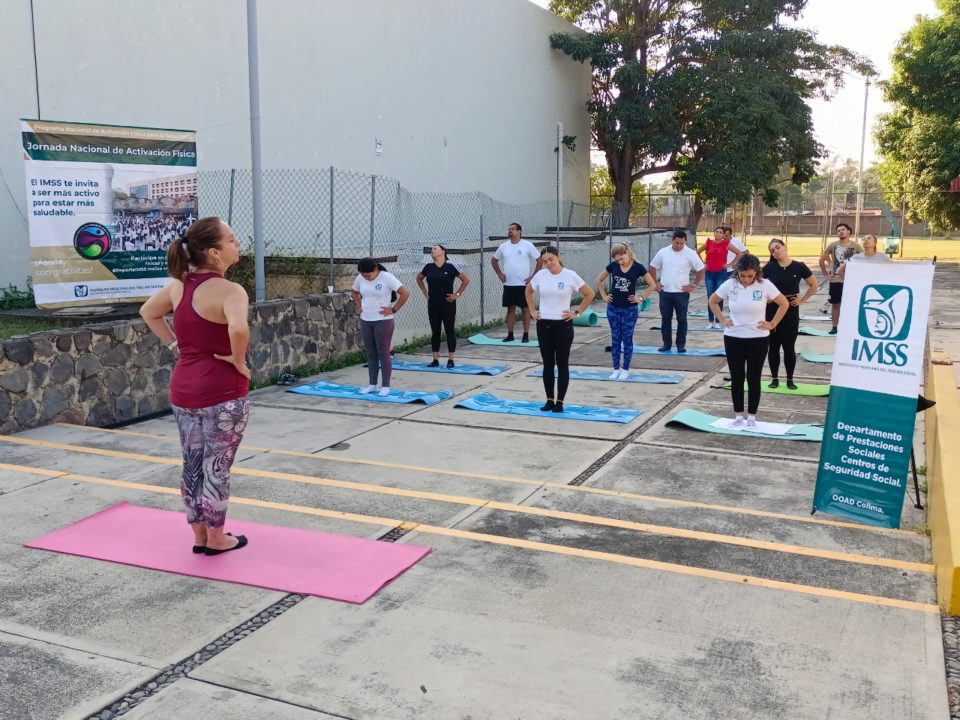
(556, 286)
(747, 331)
(671, 268)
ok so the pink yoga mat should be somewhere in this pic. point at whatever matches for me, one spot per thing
(338, 567)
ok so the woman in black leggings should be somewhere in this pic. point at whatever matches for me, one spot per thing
(745, 296)
(556, 286)
(441, 300)
(786, 274)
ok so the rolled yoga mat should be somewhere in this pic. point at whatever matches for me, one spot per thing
(696, 420)
(485, 402)
(635, 377)
(590, 318)
(322, 388)
(458, 370)
(481, 339)
(813, 357)
(804, 389)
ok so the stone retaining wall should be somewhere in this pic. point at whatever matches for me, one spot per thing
(111, 372)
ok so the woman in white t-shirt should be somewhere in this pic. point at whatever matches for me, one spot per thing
(372, 293)
(554, 317)
(746, 330)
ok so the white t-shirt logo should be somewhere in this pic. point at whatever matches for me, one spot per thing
(758, 295)
(560, 286)
(378, 286)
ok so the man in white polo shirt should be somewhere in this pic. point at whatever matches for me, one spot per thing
(671, 268)
(511, 263)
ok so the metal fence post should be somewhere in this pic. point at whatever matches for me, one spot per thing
(330, 268)
(650, 226)
(373, 205)
(233, 176)
(483, 297)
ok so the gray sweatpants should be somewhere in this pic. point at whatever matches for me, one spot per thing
(377, 336)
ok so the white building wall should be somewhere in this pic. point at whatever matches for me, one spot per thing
(463, 94)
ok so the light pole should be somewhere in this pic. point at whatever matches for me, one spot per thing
(863, 140)
(253, 72)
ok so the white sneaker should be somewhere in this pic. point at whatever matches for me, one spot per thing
(368, 389)
(615, 375)
(738, 422)
(624, 374)
(384, 392)
(709, 326)
(751, 422)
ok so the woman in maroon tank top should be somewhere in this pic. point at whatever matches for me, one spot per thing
(208, 389)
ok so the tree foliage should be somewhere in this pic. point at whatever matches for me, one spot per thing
(713, 91)
(919, 140)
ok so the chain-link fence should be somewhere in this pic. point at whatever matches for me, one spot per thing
(319, 223)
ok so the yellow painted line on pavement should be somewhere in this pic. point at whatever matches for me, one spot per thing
(718, 575)
(807, 519)
(519, 509)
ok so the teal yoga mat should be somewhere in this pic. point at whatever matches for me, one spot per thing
(458, 370)
(322, 388)
(691, 351)
(804, 389)
(813, 357)
(481, 339)
(485, 402)
(635, 377)
(807, 330)
(590, 318)
(697, 420)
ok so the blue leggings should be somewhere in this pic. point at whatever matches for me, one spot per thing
(622, 321)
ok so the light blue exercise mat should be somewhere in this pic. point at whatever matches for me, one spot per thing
(696, 420)
(691, 351)
(322, 388)
(458, 370)
(813, 357)
(807, 330)
(635, 377)
(481, 339)
(485, 402)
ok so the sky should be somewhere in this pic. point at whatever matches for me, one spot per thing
(868, 27)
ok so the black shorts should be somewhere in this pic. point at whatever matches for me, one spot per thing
(515, 295)
(836, 293)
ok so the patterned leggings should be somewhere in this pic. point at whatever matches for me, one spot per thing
(623, 321)
(210, 437)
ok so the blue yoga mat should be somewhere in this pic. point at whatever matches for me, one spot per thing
(481, 339)
(458, 370)
(696, 352)
(322, 388)
(485, 402)
(635, 377)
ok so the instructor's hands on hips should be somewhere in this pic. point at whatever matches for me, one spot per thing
(726, 322)
(535, 314)
(764, 325)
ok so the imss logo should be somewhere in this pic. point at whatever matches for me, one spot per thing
(884, 322)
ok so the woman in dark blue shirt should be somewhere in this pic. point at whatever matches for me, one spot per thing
(622, 304)
(441, 300)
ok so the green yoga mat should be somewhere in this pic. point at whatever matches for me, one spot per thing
(816, 357)
(696, 420)
(807, 330)
(588, 319)
(804, 389)
(481, 339)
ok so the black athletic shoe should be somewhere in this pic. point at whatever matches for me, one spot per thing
(833, 331)
(791, 385)
(508, 338)
(547, 406)
(525, 338)
(435, 363)
(558, 406)
(681, 349)
(663, 348)
(450, 364)
(775, 383)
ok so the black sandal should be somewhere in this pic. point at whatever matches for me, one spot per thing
(241, 542)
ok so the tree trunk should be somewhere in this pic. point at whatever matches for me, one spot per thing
(697, 214)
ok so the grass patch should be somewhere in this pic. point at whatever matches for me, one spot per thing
(922, 470)
(10, 326)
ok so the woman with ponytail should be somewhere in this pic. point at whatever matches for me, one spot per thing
(209, 385)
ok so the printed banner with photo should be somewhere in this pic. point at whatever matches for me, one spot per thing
(104, 204)
(877, 370)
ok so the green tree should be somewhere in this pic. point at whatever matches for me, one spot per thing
(712, 90)
(919, 140)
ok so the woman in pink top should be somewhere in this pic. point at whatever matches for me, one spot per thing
(208, 389)
(717, 268)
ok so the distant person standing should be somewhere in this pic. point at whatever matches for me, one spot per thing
(836, 254)
(718, 250)
(622, 304)
(670, 269)
(442, 300)
(736, 244)
(869, 255)
(556, 286)
(372, 291)
(511, 263)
